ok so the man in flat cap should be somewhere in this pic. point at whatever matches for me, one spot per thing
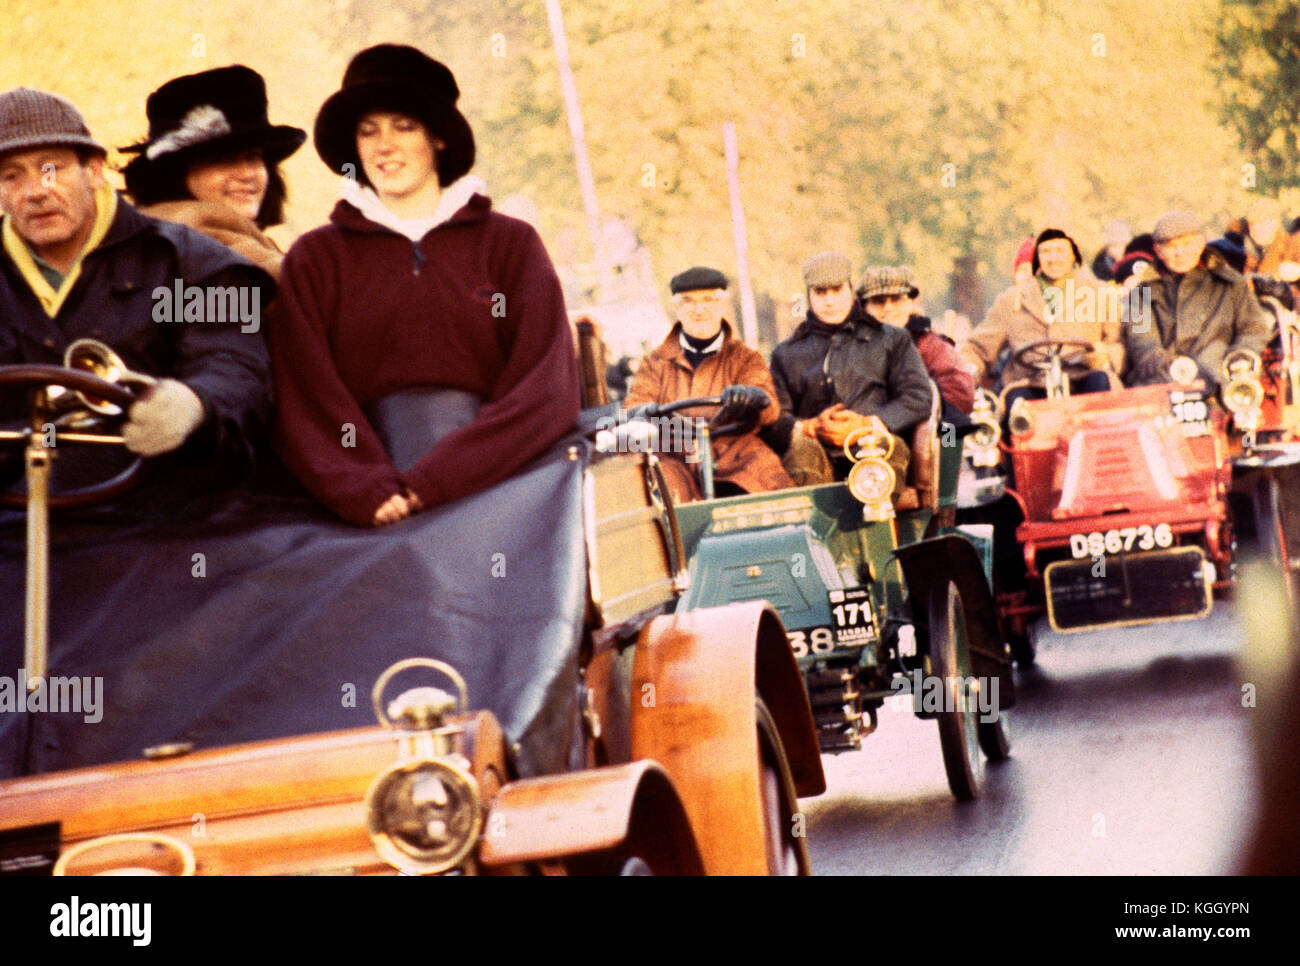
(841, 370)
(888, 293)
(1199, 307)
(79, 262)
(702, 357)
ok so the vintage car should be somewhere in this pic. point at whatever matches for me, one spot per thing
(876, 604)
(1127, 506)
(540, 707)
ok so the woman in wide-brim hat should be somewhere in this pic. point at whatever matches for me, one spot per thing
(420, 345)
(212, 158)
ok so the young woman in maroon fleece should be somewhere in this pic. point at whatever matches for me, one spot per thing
(415, 283)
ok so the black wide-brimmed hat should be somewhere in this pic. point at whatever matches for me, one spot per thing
(401, 79)
(206, 116)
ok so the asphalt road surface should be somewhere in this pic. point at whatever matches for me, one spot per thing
(1131, 755)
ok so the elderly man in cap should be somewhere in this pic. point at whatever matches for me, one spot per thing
(702, 357)
(1199, 307)
(841, 370)
(888, 294)
(79, 262)
(1058, 302)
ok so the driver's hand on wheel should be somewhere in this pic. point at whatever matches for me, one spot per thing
(163, 418)
(741, 404)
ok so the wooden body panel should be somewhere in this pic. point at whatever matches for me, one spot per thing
(272, 807)
(632, 560)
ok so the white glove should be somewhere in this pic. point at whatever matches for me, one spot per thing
(162, 419)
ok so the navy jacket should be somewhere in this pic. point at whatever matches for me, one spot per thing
(113, 300)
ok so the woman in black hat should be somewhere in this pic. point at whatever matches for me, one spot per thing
(212, 160)
(420, 345)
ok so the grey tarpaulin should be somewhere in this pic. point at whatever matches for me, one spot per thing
(295, 610)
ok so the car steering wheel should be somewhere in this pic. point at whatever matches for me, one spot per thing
(43, 376)
(1039, 354)
(672, 408)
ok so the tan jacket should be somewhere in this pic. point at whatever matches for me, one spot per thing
(1088, 311)
(224, 224)
(665, 376)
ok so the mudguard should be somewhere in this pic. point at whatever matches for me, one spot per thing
(926, 566)
(695, 677)
(595, 820)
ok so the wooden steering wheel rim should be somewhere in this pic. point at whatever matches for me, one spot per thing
(1022, 354)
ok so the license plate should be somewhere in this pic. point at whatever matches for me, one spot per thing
(853, 625)
(1189, 408)
(1099, 543)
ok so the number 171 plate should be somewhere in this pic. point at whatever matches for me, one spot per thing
(853, 624)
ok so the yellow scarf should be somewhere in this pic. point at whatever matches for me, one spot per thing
(16, 248)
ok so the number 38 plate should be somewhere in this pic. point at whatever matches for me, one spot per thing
(1098, 543)
(855, 625)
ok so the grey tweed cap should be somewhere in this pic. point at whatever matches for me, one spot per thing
(37, 119)
(1174, 224)
(826, 270)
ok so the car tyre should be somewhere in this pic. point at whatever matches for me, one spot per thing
(959, 732)
(786, 844)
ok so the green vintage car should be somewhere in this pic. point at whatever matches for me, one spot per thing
(875, 603)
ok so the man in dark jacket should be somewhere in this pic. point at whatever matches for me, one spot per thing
(841, 370)
(1199, 307)
(78, 262)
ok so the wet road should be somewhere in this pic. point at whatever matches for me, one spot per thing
(1131, 755)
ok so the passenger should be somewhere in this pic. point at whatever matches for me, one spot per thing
(1116, 234)
(841, 370)
(1138, 262)
(1022, 315)
(1022, 266)
(420, 345)
(702, 357)
(1269, 247)
(887, 295)
(78, 262)
(1200, 308)
(212, 158)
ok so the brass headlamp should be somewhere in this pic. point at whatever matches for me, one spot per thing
(1020, 423)
(871, 479)
(424, 813)
(1243, 393)
(982, 443)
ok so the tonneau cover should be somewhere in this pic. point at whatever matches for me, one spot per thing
(298, 614)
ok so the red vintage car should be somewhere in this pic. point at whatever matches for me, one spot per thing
(1126, 505)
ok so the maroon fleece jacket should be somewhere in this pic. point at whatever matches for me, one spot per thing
(363, 312)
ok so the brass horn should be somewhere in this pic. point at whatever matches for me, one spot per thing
(94, 357)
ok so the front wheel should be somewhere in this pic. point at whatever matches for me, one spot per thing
(786, 843)
(959, 726)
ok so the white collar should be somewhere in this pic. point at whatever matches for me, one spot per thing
(454, 198)
(713, 346)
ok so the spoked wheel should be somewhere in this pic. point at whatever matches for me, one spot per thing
(786, 845)
(959, 726)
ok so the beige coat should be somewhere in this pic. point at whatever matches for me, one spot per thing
(1019, 317)
(224, 224)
